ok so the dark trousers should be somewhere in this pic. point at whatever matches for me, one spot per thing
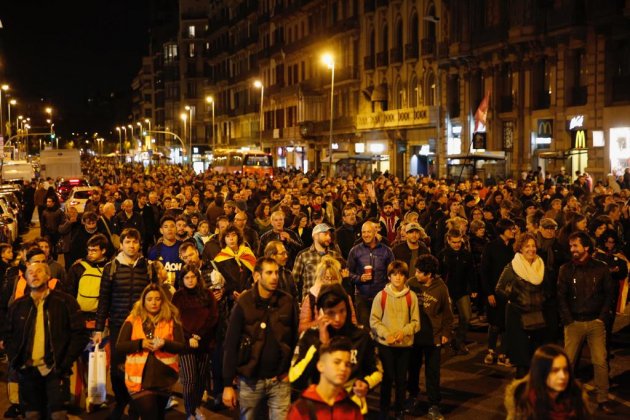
(363, 307)
(45, 395)
(216, 382)
(395, 363)
(431, 356)
(150, 405)
(117, 371)
(193, 372)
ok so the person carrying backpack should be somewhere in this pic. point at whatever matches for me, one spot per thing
(84, 278)
(394, 320)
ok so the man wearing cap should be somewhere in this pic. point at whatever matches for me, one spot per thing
(409, 250)
(307, 260)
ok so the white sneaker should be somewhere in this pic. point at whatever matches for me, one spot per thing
(172, 402)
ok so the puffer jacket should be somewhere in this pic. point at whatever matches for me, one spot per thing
(585, 291)
(119, 292)
(379, 258)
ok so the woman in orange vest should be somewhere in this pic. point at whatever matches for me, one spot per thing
(151, 337)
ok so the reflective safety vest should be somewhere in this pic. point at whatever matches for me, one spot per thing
(20, 286)
(89, 287)
(135, 362)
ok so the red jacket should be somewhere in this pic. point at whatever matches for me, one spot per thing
(343, 409)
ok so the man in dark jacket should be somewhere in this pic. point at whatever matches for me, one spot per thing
(456, 266)
(369, 253)
(124, 279)
(412, 248)
(348, 233)
(268, 318)
(496, 255)
(44, 334)
(585, 291)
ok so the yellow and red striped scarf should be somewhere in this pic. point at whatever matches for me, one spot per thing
(244, 256)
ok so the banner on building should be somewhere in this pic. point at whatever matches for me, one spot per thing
(481, 114)
(578, 139)
(545, 128)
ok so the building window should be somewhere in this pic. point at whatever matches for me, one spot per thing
(415, 93)
(541, 85)
(430, 89)
(170, 53)
(191, 31)
(576, 78)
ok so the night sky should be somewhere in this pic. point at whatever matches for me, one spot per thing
(79, 56)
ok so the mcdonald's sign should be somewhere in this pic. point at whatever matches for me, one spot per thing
(578, 139)
(545, 128)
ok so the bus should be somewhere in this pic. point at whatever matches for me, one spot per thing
(247, 162)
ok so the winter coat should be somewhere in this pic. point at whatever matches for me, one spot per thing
(379, 258)
(436, 315)
(343, 407)
(395, 315)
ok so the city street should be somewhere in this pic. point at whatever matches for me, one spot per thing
(470, 389)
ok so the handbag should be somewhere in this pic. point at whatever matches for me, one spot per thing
(532, 320)
(114, 238)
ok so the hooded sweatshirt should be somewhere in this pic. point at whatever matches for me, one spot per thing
(397, 315)
(436, 316)
(343, 407)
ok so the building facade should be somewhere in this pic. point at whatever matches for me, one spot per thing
(409, 76)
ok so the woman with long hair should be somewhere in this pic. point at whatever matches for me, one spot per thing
(263, 218)
(199, 314)
(549, 391)
(151, 337)
(301, 227)
(521, 285)
(328, 271)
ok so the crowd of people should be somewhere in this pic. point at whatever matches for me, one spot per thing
(297, 295)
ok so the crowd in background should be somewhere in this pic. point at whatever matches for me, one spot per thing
(234, 284)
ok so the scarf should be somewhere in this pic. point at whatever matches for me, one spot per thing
(531, 273)
(244, 256)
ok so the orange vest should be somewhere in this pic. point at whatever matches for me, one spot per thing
(20, 286)
(134, 364)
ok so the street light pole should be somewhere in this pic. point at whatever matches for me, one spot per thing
(330, 62)
(184, 117)
(210, 100)
(119, 138)
(11, 102)
(2, 88)
(258, 84)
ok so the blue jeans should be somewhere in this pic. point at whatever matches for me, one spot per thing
(595, 334)
(253, 391)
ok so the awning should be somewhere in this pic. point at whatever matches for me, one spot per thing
(498, 155)
(380, 93)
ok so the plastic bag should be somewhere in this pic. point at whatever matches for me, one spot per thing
(97, 377)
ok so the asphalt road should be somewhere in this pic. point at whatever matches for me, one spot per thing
(470, 389)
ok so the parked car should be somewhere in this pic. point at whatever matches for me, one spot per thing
(9, 217)
(16, 205)
(79, 197)
(66, 186)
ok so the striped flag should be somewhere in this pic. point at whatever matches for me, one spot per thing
(482, 113)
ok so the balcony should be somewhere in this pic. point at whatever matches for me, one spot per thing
(368, 62)
(411, 51)
(427, 47)
(505, 103)
(346, 73)
(381, 59)
(395, 55)
(397, 118)
(578, 96)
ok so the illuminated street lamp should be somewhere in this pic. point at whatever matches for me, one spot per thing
(210, 100)
(148, 121)
(329, 61)
(258, 85)
(12, 102)
(2, 88)
(190, 123)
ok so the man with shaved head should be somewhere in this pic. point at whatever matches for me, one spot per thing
(367, 262)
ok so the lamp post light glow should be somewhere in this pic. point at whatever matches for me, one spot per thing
(210, 100)
(258, 85)
(329, 61)
(119, 138)
(148, 121)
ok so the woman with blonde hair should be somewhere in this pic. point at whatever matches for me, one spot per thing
(151, 337)
(328, 271)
